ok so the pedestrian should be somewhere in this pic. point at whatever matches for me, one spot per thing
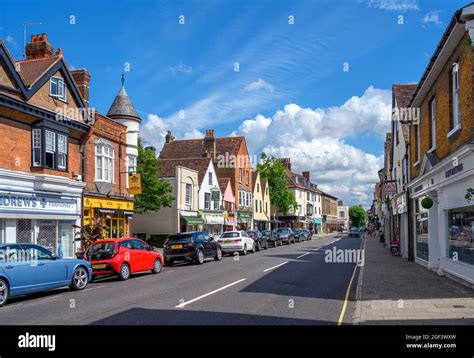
(382, 238)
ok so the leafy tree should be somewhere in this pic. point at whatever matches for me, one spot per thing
(357, 215)
(273, 170)
(156, 192)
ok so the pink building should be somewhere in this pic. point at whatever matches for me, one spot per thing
(228, 203)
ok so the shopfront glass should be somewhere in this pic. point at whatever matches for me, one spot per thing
(460, 235)
(421, 232)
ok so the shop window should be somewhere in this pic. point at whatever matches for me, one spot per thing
(24, 231)
(421, 222)
(461, 235)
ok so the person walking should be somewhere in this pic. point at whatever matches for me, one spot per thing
(382, 238)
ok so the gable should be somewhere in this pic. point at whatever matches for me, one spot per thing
(6, 79)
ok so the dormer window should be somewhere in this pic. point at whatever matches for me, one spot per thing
(57, 88)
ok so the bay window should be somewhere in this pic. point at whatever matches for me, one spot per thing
(49, 149)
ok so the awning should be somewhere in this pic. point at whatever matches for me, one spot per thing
(192, 220)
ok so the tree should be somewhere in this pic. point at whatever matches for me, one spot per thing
(357, 215)
(273, 170)
(156, 192)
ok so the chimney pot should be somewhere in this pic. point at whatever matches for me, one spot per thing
(39, 47)
(306, 175)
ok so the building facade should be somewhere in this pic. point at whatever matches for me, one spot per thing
(261, 205)
(329, 212)
(343, 222)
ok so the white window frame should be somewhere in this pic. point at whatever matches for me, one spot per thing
(105, 155)
(207, 203)
(417, 144)
(188, 194)
(36, 144)
(210, 178)
(456, 86)
(60, 84)
(51, 151)
(433, 123)
(240, 175)
(62, 152)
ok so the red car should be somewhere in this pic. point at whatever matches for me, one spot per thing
(123, 257)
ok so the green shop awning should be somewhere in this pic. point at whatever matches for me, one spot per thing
(192, 220)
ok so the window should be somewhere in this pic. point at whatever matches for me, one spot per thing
(207, 201)
(258, 188)
(36, 139)
(433, 124)
(247, 177)
(132, 164)
(417, 143)
(421, 222)
(247, 199)
(104, 163)
(308, 196)
(266, 207)
(62, 151)
(240, 175)
(461, 235)
(189, 194)
(210, 179)
(240, 198)
(50, 145)
(57, 88)
(341, 214)
(256, 205)
(455, 98)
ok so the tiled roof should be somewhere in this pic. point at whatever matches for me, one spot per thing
(32, 70)
(193, 148)
(199, 164)
(403, 93)
(122, 106)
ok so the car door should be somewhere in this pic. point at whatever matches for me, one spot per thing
(19, 272)
(209, 247)
(142, 256)
(50, 271)
(130, 255)
(248, 240)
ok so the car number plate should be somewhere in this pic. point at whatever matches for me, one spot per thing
(176, 247)
(98, 267)
(229, 242)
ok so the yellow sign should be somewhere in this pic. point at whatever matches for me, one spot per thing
(134, 184)
(105, 203)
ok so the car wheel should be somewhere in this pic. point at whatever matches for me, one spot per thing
(157, 266)
(244, 251)
(124, 273)
(266, 245)
(4, 292)
(199, 257)
(281, 242)
(218, 254)
(80, 279)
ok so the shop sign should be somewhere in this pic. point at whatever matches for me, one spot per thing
(453, 171)
(134, 184)
(318, 220)
(105, 203)
(32, 202)
(244, 215)
(390, 187)
(214, 219)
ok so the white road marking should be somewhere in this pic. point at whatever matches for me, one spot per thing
(181, 305)
(274, 267)
(316, 249)
(303, 255)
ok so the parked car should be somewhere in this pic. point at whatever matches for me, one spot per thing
(272, 237)
(28, 268)
(286, 235)
(307, 234)
(299, 236)
(260, 240)
(123, 257)
(354, 232)
(191, 247)
(236, 241)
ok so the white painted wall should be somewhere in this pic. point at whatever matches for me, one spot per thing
(206, 187)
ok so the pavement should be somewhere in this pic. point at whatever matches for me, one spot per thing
(291, 284)
(392, 291)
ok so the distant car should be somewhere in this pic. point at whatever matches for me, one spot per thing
(28, 268)
(272, 238)
(236, 241)
(191, 247)
(123, 257)
(354, 232)
(286, 235)
(260, 240)
(307, 234)
(299, 234)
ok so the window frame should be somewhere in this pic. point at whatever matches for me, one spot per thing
(109, 166)
(455, 99)
(188, 194)
(39, 149)
(432, 114)
(61, 81)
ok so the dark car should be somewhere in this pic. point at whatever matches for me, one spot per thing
(191, 247)
(354, 232)
(299, 235)
(307, 234)
(286, 235)
(260, 240)
(272, 238)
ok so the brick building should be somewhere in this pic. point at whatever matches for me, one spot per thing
(442, 154)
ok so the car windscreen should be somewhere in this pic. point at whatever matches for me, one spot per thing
(227, 235)
(101, 251)
(267, 233)
(284, 231)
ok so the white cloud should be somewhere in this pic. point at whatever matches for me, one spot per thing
(180, 68)
(394, 5)
(12, 41)
(314, 140)
(260, 84)
(432, 17)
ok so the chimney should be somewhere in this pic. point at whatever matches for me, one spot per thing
(306, 175)
(151, 149)
(286, 163)
(38, 48)
(210, 144)
(82, 79)
(169, 137)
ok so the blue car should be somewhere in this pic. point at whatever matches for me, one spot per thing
(28, 268)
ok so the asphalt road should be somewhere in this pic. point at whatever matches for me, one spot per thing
(284, 285)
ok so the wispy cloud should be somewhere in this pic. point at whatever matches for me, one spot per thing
(394, 5)
(432, 17)
(180, 68)
(260, 84)
(12, 41)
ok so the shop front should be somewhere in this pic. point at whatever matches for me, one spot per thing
(318, 222)
(213, 223)
(244, 220)
(114, 214)
(190, 221)
(230, 221)
(42, 218)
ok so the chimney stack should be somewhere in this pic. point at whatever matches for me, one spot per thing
(82, 79)
(306, 175)
(151, 149)
(210, 144)
(286, 163)
(39, 47)
(169, 137)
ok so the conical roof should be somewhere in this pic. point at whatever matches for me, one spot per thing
(122, 106)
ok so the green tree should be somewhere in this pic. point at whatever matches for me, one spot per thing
(357, 215)
(273, 170)
(156, 192)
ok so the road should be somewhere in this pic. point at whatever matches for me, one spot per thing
(284, 285)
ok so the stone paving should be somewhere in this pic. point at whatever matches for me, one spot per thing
(391, 290)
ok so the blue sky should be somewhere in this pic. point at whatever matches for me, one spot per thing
(190, 67)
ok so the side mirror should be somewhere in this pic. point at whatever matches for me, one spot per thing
(54, 257)
(211, 238)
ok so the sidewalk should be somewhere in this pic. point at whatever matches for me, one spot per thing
(391, 290)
